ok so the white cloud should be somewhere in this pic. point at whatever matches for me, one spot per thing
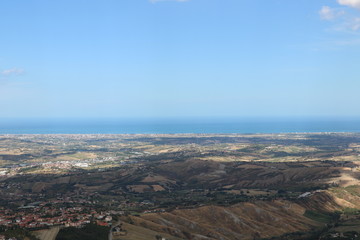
(12, 71)
(355, 24)
(344, 21)
(350, 3)
(328, 13)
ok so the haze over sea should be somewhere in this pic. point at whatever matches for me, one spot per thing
(173, 126)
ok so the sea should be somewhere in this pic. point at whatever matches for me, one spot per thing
(177, 126)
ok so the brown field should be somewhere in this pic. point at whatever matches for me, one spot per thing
(140, 233)
(47, 234)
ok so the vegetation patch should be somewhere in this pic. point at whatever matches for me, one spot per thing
(319, 217)
(17, 233)
(88, 232)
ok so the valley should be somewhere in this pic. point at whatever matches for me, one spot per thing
(182, 186)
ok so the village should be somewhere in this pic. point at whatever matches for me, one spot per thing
(46, 214)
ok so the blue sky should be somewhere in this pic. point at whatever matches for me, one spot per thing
(195, 58)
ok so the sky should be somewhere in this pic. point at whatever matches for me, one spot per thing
(168, 58)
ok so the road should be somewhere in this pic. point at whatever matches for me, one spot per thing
(111, 230)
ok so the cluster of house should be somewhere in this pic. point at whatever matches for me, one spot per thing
(154, 211)
(52, 165)
(308, 194)
(40, 216)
